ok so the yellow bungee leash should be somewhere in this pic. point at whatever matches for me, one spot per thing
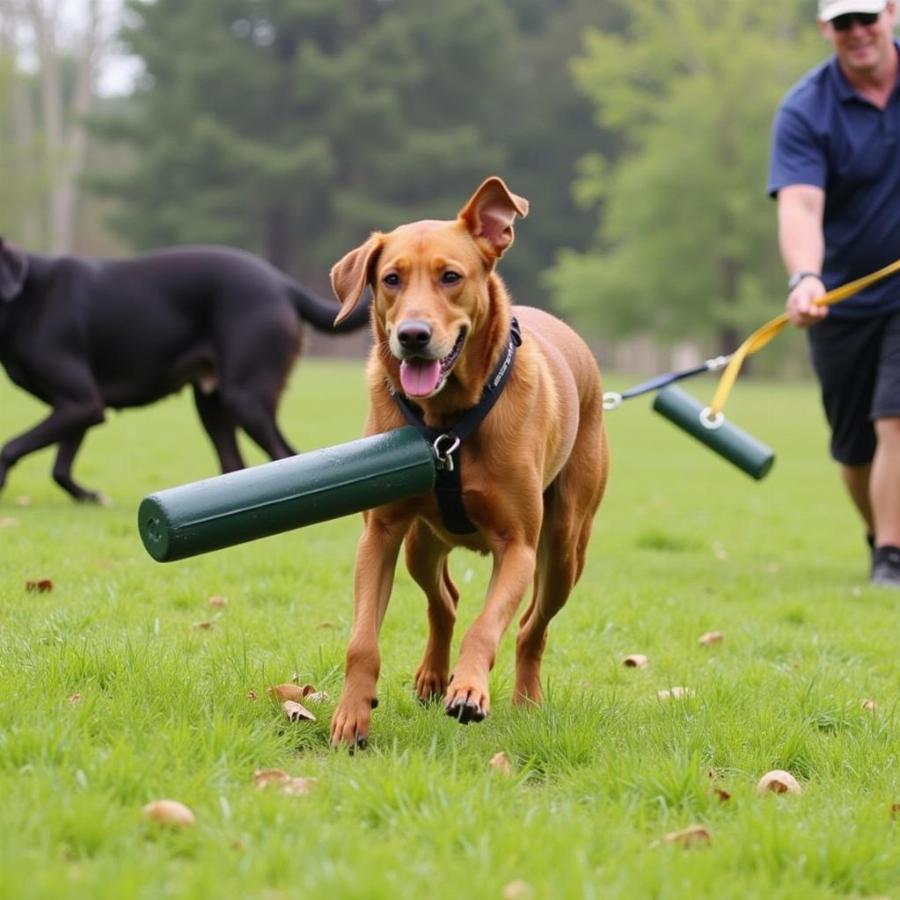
(713, 414)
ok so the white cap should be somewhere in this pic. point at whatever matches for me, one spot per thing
(831, 9)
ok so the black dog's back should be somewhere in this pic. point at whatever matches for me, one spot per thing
(86, 333)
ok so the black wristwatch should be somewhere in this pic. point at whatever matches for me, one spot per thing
(797, 277)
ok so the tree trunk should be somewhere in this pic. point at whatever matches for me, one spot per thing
(66, 145)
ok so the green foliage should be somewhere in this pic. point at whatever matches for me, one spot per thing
(683, 544)
(294, 128)
(686, 243)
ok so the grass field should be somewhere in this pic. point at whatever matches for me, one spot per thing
(111, 696)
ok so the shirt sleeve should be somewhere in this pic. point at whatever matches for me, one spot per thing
(797, 156)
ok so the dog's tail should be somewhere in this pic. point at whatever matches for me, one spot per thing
(321, 314)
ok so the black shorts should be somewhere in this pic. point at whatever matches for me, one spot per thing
(857, 362)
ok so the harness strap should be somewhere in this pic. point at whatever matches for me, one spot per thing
(446, 442)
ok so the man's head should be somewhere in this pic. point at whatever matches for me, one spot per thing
(861, 32)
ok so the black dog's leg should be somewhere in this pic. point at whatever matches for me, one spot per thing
(61, 425)
(256, 415)
(62, 470)
(220, 427)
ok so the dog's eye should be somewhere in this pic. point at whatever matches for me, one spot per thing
(392, 279)
(450, 277)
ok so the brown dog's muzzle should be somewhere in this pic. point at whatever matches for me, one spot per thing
(414, 336)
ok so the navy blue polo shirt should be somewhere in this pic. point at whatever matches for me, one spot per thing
(827, 135)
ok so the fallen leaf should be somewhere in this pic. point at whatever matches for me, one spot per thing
(218, 601)
(8, 522)
(204, 626)
(251, 695)
(636, 661)
(169, 812)
(23, 501)
(722, 794)
(500, 763)
(262, 778)
(895, 810)
(517, 890)
(869, 705)
(296, 787)
(295, 712)
(41, 585)
(283, 692)
(687, 837)
(326, 625)
(675, 693)
(778, 782)
(287, 784)
(75, 698)
(711, 637)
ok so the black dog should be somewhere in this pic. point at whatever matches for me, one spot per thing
(84, 334)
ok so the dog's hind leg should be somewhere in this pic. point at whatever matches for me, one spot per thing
(560, 559)
(569, 508)
(62, 470)
(254, 411)
(426, 560)
(220, 427)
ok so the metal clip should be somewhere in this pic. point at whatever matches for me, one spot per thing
(612, 400)
(718, 362)
(444, 456)
(709, 421)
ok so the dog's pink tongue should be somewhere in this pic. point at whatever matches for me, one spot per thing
(419, 377)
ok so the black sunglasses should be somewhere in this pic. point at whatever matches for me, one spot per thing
(845, 22)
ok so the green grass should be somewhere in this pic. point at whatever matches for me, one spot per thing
(684, 544)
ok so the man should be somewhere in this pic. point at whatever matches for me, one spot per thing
(835, 170)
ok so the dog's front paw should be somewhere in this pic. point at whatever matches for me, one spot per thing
(350, 723)
(467, 704)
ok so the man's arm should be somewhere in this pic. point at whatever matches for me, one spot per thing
(802, 244)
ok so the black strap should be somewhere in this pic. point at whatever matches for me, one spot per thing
(446, 442)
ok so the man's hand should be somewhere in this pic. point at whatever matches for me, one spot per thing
(801, 307)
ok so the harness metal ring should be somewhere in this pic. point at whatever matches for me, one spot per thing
(710, 421)
(612, 400)
(443, 455)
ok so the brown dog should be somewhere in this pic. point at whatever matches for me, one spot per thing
(532, 473)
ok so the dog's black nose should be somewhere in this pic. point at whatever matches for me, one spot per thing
(414, 334)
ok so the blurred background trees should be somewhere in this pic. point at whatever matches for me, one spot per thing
(294, 127)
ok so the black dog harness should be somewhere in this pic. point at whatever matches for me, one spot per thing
(446, 442)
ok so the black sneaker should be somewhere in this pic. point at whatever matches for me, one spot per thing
(886, 567)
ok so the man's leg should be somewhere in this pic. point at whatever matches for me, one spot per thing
(884, 487)
(857, 481)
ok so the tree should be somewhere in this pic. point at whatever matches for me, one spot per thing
(546, 128)
(686, 244)
(294, 127)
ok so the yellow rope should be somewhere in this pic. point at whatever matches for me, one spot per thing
(765, 333)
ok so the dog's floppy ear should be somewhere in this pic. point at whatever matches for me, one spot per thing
(13, 269)
(490, 213)
(350, 276)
